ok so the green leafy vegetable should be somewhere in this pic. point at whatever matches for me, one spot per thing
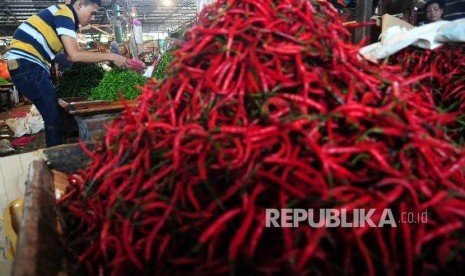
(124, 81)
(4, 81)
(79, 80)
(163, 63)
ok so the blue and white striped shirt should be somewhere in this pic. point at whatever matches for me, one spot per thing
(38, 38)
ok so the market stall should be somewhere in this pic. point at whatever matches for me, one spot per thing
(268, 145)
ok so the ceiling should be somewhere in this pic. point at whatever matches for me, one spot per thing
(153, 14)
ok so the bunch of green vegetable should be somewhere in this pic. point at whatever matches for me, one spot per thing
(165, 60)
(79, 80)
(4, 81)
(124, 81)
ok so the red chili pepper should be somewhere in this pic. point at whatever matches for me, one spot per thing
(404, 183)
(191, 195)
(365, 254)
(161, 250)
(286, 232)
(89, 251)
(239, 238)
(382, 246)
(311, 247)
(257, 233)
(149, 183)
(286, 186)
(358, 203)
(443, 230)
(379, 158)
(261, 8)
(405, 228)
(301, 100)
(153, 235)
(127, 237)
(217, 224)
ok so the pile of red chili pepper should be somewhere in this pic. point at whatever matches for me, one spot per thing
(445, 66)
(267, 105)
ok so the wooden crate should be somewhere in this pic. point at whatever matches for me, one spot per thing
(91, 116)
(39, 251)
(78, 106)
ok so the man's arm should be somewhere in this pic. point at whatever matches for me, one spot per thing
(74, 54)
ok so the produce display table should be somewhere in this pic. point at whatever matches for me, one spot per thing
(92, 115)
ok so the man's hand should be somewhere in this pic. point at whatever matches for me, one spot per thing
(120, 61)
(74, 54)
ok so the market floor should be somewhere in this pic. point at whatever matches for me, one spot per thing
(37, 139)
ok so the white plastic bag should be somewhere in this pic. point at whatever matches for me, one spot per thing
(29, 124)
(452, 32)
(149, 71)
(397, 38)
(138, 37)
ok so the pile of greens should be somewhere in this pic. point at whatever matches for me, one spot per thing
(79, 80)
(165, 60)
(124, 81)
(4, 81)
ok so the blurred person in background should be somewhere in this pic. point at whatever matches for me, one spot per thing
(434, 10)
(114, 46)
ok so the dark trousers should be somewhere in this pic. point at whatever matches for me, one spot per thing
(34, 82)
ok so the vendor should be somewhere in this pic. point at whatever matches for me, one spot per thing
(434, 10)
(34, 47)
(114, 46)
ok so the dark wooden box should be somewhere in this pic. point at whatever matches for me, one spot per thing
(39, 250)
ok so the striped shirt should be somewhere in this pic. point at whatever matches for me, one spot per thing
(38, 38)
(455, 9)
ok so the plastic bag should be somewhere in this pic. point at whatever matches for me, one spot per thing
(396, 39)
(138, 37)
(30, 124)
(452, 32)
(4, 69)
(148, 73)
